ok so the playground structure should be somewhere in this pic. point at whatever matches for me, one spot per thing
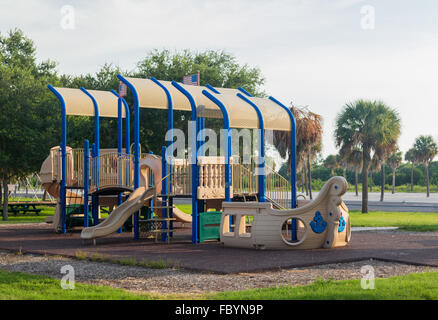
(257, 207)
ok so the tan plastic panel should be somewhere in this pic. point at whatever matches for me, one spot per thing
(108, 104)
(77, 103)
(241, 114)
(150, 95)
(275, 117)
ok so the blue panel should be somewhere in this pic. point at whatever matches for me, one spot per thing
(318, 224)
(342, 224)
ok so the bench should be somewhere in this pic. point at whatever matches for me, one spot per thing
(16, 208)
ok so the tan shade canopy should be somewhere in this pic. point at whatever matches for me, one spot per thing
(108, 104)
(77, 103)
(151, 96)
(274, 116)
(241, 114)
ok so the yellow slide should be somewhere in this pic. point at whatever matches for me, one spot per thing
(118, 217)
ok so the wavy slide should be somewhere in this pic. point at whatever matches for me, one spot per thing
(118, 217)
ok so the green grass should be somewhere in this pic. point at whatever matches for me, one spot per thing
(20, 286)
(407, 221)
(413, 286)
(186, 208)
(30, 217)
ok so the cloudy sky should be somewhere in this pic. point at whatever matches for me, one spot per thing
(318, 53)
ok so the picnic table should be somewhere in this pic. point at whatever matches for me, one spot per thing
(23, 207)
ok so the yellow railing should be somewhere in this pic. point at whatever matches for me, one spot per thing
(245, 179)
(277, 189)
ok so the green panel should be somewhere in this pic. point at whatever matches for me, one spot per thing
(77, 209)
(209, 225)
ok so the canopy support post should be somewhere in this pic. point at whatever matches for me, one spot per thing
(194, 161)
(261, 162)
(136, 148)
(293, 161)
(63, 146)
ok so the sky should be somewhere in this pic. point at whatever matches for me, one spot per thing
(316, 53)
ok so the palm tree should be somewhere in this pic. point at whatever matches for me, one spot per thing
(383, 152)
(354, 161)
(395, 161)
(366, 125)
(309, 137)
(410, 156)
(331, 162)
(425, 151)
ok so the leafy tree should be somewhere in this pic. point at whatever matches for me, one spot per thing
(331, 162)
(309, 145)
(365, 124)
(27, 109)
(425, 151)
(395, 161)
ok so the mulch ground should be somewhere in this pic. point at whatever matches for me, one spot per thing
(404, 247)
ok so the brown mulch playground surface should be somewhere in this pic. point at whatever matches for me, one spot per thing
(404, 247)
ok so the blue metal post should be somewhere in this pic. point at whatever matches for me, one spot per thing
(120, 147)
(228, 173)
(164, 188)
(261, 164)
(86, 180)
(212, 89)
(136, 147)
(293, 152)
(245, 92)
(194, 160)
(95, 204)
(127, 123)
(94, 198)
(96, 120)
(63, 157)
(293, 170)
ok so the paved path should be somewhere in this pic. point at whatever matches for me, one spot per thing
(399, 202)
(410, 248)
